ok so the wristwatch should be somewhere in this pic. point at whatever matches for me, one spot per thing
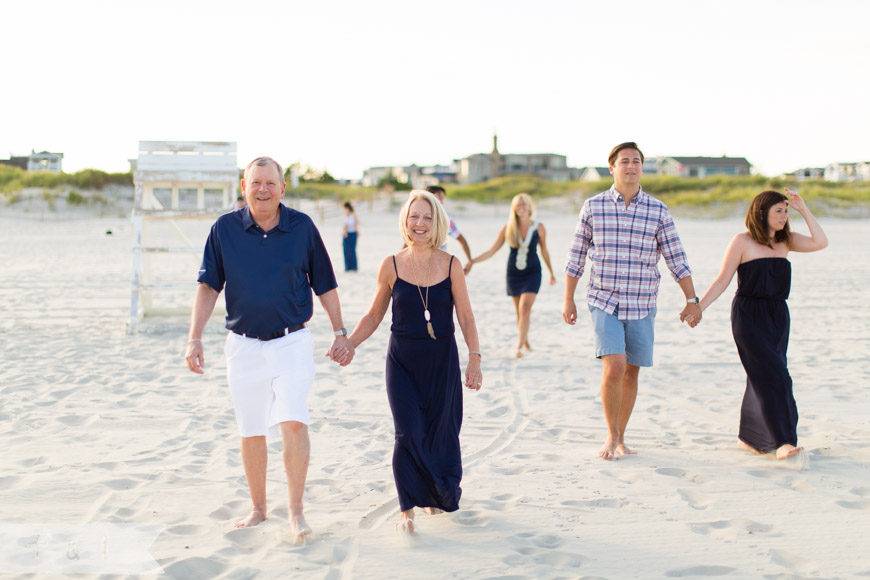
(694, 300)
(341, 332)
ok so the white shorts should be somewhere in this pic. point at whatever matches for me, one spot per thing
(269, 381)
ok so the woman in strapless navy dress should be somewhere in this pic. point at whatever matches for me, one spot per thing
(424, 381)
(523, 235)
(760, 318)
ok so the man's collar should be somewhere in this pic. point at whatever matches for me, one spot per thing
(615, 195)
(283, 222)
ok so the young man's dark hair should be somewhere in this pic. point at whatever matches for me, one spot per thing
(436, 190)
(611, 159)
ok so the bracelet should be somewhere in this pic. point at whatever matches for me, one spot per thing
(194, 340)
(475, 352)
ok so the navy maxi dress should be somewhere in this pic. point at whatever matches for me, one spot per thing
(760, 324)
(425, 393)
(528, 279)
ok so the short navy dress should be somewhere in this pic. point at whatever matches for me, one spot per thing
(527, 279)
(425, 393)
(760, 323)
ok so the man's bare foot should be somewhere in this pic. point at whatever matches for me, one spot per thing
(622, 449)
(787, 450)
(518, 354)
(299, 529)
(433, 511)
(527, 346)
(749, 448)
(257, 515)
(608, 451)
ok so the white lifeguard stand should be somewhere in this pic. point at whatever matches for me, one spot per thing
(183, 168)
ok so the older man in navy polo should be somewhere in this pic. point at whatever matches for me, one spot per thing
(269, 258)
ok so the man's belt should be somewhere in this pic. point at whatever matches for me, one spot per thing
(274, 335)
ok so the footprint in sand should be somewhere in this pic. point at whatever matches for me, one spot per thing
(541, 549)
(729, 530)
(596, 503)
(471, 518)
(793, 562)
(696, 500)
(698, 571)
(854, 505)
(681, 474)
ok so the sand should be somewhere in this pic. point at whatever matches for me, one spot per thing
(97, 426)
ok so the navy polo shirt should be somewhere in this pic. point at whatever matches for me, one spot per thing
(268, 276)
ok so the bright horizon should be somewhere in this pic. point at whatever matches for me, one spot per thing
(344, 86)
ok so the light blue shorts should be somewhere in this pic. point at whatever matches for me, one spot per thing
(633, 338)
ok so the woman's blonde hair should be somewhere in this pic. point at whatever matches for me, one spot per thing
(438, 229)
(512, 231)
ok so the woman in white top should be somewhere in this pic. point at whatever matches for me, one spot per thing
(350, 232)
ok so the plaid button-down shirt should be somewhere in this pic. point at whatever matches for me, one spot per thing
(624, 245)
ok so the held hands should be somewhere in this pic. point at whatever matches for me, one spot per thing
(467, 268)
(691, 315)
(195, 357)
(341, 351)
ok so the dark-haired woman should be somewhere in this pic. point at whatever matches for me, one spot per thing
(760, 318)
(349, 232)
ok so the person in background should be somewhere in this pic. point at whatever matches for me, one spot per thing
(452, 230)
(760, 318)
(350, 233)
(523, 234)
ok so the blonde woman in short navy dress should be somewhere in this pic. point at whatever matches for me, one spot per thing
(424, 381)
(523, 234)
(760, 318)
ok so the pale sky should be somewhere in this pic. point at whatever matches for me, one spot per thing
(347, 84)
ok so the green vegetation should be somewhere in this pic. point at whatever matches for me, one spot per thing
(720, 193)
(14, 179)
(329, 191)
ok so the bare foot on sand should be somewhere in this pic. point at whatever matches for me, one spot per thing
(518, 354)
(749, 448)
(527, 346)
(299, 530)
(433, 511)
(788, 450)
(406, 526)
(608, 451)
(257, 515)
(622, 449)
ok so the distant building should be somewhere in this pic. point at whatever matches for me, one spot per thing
(595, 173)
(45, 161)
(42, 161)
(806, 173)
(15, 161)
(702, 166)
(859, 171)
(485, 166)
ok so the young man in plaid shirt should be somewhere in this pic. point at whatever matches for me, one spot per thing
(624, 231)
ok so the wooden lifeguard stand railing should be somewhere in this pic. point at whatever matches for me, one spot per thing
(182, 167)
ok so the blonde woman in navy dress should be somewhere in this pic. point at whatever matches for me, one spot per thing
(523, 234)
(424, 381)
(760, 318)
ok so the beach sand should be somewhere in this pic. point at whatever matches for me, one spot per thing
(100, 426)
